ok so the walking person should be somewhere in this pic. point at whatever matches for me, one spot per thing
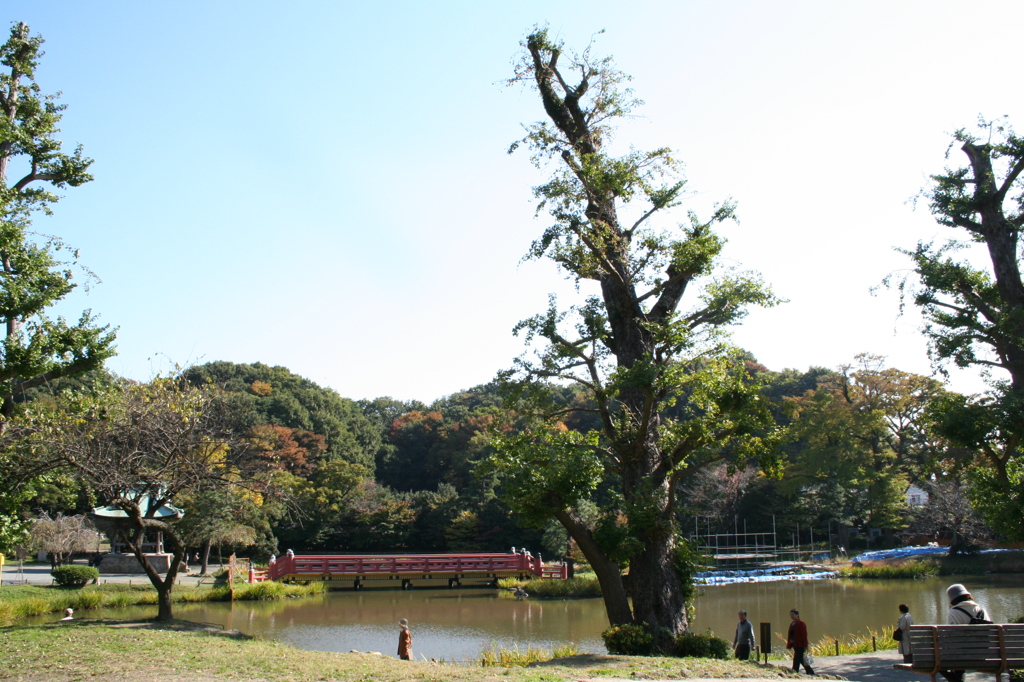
(903, 627)
(963, 610)
(797, 641)
(404, 641)
(743, 642)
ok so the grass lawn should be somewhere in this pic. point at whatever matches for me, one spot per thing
(21, 601)
(146, 651)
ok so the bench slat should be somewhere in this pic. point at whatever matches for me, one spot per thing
(982, 648)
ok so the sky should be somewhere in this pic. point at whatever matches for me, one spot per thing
(325, 185)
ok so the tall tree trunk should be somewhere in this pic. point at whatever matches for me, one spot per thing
(164, 608)
(655, 585)
(608, 572)
(657, 589)
(164, 586)
(843, 531)
(206, 557)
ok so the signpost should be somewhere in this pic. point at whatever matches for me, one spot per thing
(766, 640)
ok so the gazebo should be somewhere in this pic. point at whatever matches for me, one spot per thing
(114, 521)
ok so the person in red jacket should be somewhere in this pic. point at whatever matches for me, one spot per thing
(797, 641)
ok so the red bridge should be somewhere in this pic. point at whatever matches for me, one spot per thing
(431, 569)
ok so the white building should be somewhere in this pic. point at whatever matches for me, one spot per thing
(916, 497)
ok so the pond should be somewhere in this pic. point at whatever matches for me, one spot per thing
(457, 624)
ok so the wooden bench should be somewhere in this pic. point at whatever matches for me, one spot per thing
(981, 648)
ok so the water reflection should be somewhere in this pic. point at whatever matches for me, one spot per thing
(838, 607)
(457, 624)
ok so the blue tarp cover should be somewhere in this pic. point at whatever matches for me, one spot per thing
(759, 575)
(911, 551)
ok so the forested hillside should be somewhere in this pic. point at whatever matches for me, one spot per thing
(385, 475)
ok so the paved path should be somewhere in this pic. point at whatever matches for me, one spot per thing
(873, 667)
(876, 667)
(39, 574)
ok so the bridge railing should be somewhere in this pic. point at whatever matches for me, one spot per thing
(371, 564)
(555, 572)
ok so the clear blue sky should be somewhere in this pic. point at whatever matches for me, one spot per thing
(324, 186)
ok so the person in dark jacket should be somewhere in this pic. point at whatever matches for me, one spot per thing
(743, 642)
(797, 641)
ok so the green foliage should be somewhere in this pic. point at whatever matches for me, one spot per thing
(29, 131)
(913, 570)
(36, 276)
(74, 576)
(546, 470)
(971, 295)
(689, 562)
(544, 588)
(37, 601)
(506, 657)
(262, 591)
(274, 395)
(859, 643)
(999, 498)
(660, 390)
(629, 640)
(234, 517)
(706, 645)
(863, 435)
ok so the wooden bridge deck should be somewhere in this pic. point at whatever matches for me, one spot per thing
(408, 567)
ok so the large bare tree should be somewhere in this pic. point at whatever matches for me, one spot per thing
(140, 447)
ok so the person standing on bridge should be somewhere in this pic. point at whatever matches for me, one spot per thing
(404, 641)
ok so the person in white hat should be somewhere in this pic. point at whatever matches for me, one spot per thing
(963, 610)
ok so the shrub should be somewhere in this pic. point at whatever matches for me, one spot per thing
(573, 588)
(74, 576)
(33, 606)
(544, 588)
(120, 599)
(261, 591)
(692, 644)
(221, 577)
(911, 570)
(506, 657)
(628, 640)
(83, 601)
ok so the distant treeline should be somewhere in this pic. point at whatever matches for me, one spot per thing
(386, 475)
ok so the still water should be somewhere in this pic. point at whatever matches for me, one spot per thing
(457, 624)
